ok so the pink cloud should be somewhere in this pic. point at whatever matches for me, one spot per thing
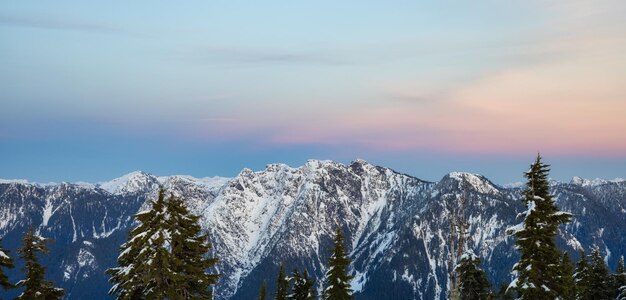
(573, 101)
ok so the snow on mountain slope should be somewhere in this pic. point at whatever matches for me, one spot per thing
(396, 225)
(129, 183)
(295, 208)
(594, 182)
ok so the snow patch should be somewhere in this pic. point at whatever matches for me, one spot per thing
(358, 281)
(47, 212)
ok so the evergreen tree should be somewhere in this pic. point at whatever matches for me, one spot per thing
(282, 284)
(337, 281)
(618, 279)
(302, 286)
(5, 262)
(262, 291)
(164, 257)
(36, 287)
(536, 273)
(567, 286)
(473, 283)
(130, 279)
(621, 270)
(188, 250)
(581, 277)
(598, 276)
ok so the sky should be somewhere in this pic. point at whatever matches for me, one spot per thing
(92, 90)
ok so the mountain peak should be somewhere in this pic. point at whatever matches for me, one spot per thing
(289, 214)
(360, 162)
(476, 181)
(594, 182)
(130, 183)
(209, 183)
(10, 181)
(277, 167)
(317, 163)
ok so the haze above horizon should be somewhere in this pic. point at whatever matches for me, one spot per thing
(90, 91)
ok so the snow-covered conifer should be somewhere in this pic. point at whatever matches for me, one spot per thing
(282, 284)
(5, 262)
(567, 286)
(599, 287)
(189, 248)
(473, 283)
(130, 279)
(303, 286)
(536, 273)
(164, 257)
(581, 277)
(336, 280)
(618, 279)
(35, 286)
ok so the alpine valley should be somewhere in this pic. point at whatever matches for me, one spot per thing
(396, 226)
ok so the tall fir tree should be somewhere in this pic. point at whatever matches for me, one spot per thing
(567, 286)
(599, 287)
(282, 284)
(618, 279)
(262, 291)
(131, 279)
(188, 250)
(336, 280)
(35, 286)
(164, 257)
(581, 277)
(303, 286)
(5, 262)
(536, 273)
(473, 283)
(161, 278)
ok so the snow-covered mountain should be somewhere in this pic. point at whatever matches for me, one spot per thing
(396, 225)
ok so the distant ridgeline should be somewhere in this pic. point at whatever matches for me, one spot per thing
(397, 228)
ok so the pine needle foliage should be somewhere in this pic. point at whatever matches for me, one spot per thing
(619, 280)
(165, 256)
(337, 280)
(5, 262)
(473, 283)
(35, 286)
(188, 251)
(282, 284)
(567, 287)
(581, 277)
(599, 286)
(537, 272)
(303, 286)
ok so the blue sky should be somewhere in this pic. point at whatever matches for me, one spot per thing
(90, 91)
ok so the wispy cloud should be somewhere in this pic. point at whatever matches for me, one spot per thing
(58, 24)
(244, 56)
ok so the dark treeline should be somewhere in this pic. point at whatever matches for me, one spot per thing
(543, 271)
(298, 286)
(166, 257)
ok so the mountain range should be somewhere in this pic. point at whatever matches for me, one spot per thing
(396, 226)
